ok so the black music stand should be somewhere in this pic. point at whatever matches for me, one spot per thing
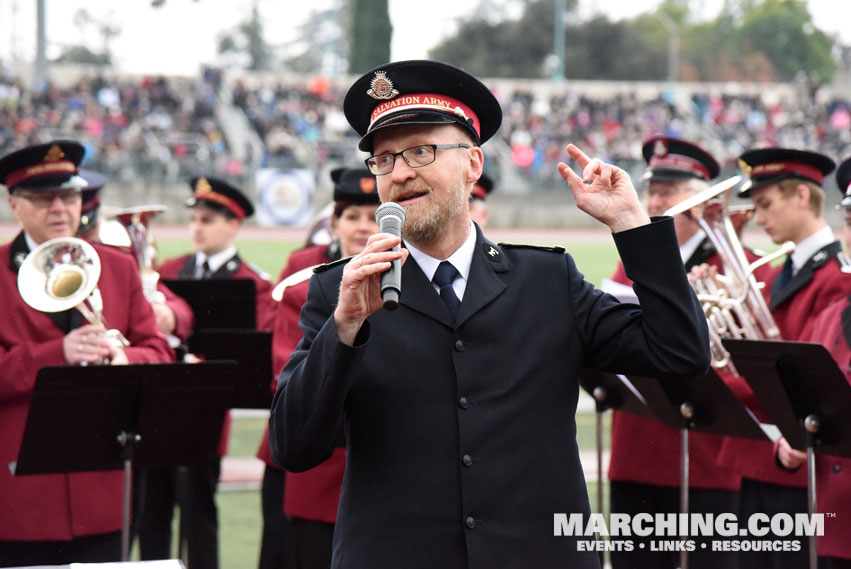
(252, 351)
(806, 394)
(112, 417)
(701, 403)
(610, 391)
(218, 303)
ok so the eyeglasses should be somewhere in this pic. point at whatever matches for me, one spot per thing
(44, 199)
(415, 157)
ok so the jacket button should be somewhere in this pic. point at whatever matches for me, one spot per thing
(459, 345)
(470, 522)
(463, 403)
(467, 460)
(837, 468)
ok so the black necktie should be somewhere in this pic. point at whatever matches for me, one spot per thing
(786, 272)
(443, 278)
(206, 273)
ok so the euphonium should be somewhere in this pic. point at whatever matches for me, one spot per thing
(63, 273)
(736, 308)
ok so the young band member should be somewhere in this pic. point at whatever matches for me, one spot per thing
(786, 189)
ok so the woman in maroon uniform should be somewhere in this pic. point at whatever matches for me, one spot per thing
(310, 498)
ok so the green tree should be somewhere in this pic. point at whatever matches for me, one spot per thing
(248, 39)
(369, 35)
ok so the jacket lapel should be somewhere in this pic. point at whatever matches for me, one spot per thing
(780, 294)
(187, 271)
(227, 270)
(701, 255)
(483, 285)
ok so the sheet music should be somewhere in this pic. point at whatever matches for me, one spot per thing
(620, 291)
(771, 431)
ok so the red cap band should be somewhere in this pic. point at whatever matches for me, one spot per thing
(211, 196)
(479, 192)
(45, 168)
(679, 162)
(425, 102)
(779, 168)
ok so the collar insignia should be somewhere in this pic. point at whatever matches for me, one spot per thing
(381, 87)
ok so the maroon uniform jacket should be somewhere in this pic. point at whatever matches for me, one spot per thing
(57, 507)
(314, 494)
(235, 268)
(648, 452)
(795, 309)
(833, 330)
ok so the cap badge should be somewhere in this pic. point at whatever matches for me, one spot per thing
(54, 154)
(848, 191)
(367, 185)
(660, 148)
(203, 186)
(381, 87)
(744, 167)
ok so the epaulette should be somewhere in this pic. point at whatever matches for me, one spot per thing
(326, 266)
(553, 249)
(260, 272)
(292, 280)
(844, 262)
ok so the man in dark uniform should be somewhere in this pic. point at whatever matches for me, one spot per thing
(217, 210)
(645, 454)
(57, 519)
(458, 407)
(478, 200)
(785, 187)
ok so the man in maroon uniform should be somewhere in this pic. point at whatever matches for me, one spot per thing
(311, 497)
(645, 454)
(217, 210)
(174, 315)
(833, 330)
(59, 518)
(785, 186)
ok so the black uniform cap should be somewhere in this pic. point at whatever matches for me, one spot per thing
(772, 165)
(49, 166)
(220, 196)
(420, 92)
(843, 181)
(91, 198)
(355, 186)
(671, 159)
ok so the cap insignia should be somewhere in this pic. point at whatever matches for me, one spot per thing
(203, 187)
(54, 154)
(660, 148)
(744, 167)
(367, 185)
(381, 87)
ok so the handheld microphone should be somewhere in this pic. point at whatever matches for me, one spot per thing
(390, 217)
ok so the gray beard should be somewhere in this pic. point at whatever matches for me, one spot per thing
(423, 225)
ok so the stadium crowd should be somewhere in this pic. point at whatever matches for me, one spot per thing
(167, 128)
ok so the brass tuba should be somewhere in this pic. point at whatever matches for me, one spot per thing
(734, 305)
(63, 273)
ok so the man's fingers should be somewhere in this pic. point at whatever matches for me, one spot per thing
(580, 157)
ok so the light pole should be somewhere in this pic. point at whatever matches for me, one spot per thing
(558, 41)
(673, 46)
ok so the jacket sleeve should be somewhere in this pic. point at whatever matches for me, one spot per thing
(667, 335)
(307, 410)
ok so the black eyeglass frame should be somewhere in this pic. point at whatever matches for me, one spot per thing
(434, 148)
